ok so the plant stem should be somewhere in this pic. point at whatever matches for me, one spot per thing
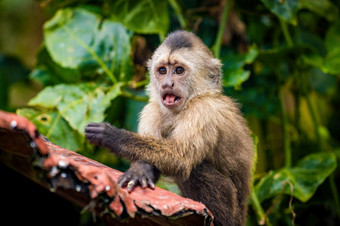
(286, 33)
(136, 85)
(315, 120)
(335, 193)
(258, 209)
(133, 96)
(223, 22)
(286, 138)
(178, 10)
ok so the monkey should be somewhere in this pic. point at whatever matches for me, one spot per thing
(189, 130)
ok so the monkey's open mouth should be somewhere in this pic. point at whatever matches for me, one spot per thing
(170, 99)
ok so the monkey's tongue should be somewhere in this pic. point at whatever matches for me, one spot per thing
(170, 98)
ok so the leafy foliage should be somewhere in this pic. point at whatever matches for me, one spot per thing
(144, 16)
(106, 47)
(306, 176)
(234, 74)
(280, 60)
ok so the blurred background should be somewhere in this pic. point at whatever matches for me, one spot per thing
(66, 63)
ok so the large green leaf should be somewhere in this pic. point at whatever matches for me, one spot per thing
(285, 10)
(78, 39)
(306, 177)
(142, 16)
(77, 104)
(52, 125)
(234, 74)
(50, 73)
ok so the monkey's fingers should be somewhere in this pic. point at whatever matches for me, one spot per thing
(94, 133)
(94, 128)
(143, 182)
(128, 181)
(93, 124)
(123, 181)
(131, 185)
(93, 138)
(151, 184)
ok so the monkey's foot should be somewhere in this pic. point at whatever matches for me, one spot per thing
(140, 173)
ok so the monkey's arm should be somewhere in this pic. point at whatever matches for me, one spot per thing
(173, 157)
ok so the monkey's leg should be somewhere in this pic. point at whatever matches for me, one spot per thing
(141, 173)
(216, 191)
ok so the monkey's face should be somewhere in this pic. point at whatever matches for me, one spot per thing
(182, 68)
(171, 77)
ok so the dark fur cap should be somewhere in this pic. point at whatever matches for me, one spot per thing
(183, 39)
(179, 39)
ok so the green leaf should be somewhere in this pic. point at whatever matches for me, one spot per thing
(284, 9)
(236, 77)
(332, 40)
(142, 16)
(50, 73)
(132, 112)
(52, 125)
(329, 64)
(314, 60)
(323, 83)
(234, 74)
(47, 98)
(77, 104)
(323, 8)
(118, 50)
(76, 39)
(332, 62)
(306, 177)
(251, 55)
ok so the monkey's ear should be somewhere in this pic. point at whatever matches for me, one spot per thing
(215, 72)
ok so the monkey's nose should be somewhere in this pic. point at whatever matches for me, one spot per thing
(167, 83)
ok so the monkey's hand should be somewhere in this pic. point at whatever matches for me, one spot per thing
(140, 173)
(102, 134)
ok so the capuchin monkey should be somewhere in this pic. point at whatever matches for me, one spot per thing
(189, 131)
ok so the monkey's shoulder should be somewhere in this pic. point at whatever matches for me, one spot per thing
(209, 111)
(218, 104)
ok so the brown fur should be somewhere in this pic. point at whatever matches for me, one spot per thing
(204, 144)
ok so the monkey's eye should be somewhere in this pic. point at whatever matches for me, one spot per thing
(162, 70)
(179, 70)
